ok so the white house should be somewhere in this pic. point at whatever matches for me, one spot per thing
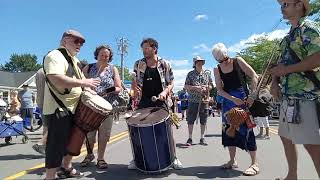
(14, 80)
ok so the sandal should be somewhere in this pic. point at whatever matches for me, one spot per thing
(89, 158)
(101, 164)
(69, 173)
(252, 170)
(230, 165)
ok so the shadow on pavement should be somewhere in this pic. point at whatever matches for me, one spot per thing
(182, 145)
(208, 172)
(212, 135)
(4, 145)
(120, 171)
(20, 156)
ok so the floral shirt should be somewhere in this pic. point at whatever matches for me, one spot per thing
(107, 81)
(304, 41)
(194, 78)
(164, 69)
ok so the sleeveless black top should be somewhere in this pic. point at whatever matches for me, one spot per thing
(231, 80)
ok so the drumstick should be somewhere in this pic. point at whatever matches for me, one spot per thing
(154, 98)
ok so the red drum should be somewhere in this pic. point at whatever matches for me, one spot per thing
(91, 111)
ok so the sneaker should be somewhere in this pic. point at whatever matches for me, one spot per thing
(177, 164)
(203, 142)
(41, 149)
(189, 142)
(132, 165)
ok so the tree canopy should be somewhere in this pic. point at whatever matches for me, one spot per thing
(21, 63)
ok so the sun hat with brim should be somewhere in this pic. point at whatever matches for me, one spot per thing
(306, 5)
(74, 33)
(197, 58)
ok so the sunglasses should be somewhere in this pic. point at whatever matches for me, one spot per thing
(224, 59)
(79, 41)
(286, 4)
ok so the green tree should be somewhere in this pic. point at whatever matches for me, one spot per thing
(315, 8)
(126, 73)
(21, 63)
(259, 53)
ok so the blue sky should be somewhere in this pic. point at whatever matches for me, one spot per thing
(183, 28)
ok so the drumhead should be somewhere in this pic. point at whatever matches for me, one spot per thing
(95, 102)
(148, 116)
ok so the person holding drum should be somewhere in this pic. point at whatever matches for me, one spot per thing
(229, 87)
(198, 83)
(109, 76)
(62, 87)
(152, 83)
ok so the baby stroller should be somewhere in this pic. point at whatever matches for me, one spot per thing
(37, 121)
(11, 126)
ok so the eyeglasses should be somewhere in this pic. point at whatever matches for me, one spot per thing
(286, 4)
(146, 48)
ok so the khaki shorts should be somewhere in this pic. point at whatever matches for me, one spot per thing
(307, 132)
(104, 131)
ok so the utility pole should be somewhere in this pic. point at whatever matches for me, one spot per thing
(123, 51)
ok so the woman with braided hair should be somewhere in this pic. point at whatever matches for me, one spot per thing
(229, 87)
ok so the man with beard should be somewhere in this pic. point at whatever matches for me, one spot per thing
(153, 77)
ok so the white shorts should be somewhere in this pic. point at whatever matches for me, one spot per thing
(306, 132)
(262, 121)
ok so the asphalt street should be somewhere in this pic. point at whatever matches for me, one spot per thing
(19, 161)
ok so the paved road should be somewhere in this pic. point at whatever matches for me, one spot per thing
(200, 162)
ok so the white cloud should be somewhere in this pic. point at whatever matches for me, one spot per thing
(179, 78)
(179, 62)
(202, 48)
(200, 17)
(277, 34)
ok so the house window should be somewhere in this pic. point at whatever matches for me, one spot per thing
(6, 96)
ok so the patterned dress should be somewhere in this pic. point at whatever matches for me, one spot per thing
(107, 81)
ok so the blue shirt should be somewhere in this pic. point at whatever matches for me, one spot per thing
(26, 98)
(184, 99)
(219, 99)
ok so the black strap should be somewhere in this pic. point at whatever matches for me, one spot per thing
(240, 75)
(68, 58)
(308, 74)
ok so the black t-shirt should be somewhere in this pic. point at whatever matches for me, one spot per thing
(151, 87)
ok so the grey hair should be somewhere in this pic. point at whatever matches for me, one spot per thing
(219, 51)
